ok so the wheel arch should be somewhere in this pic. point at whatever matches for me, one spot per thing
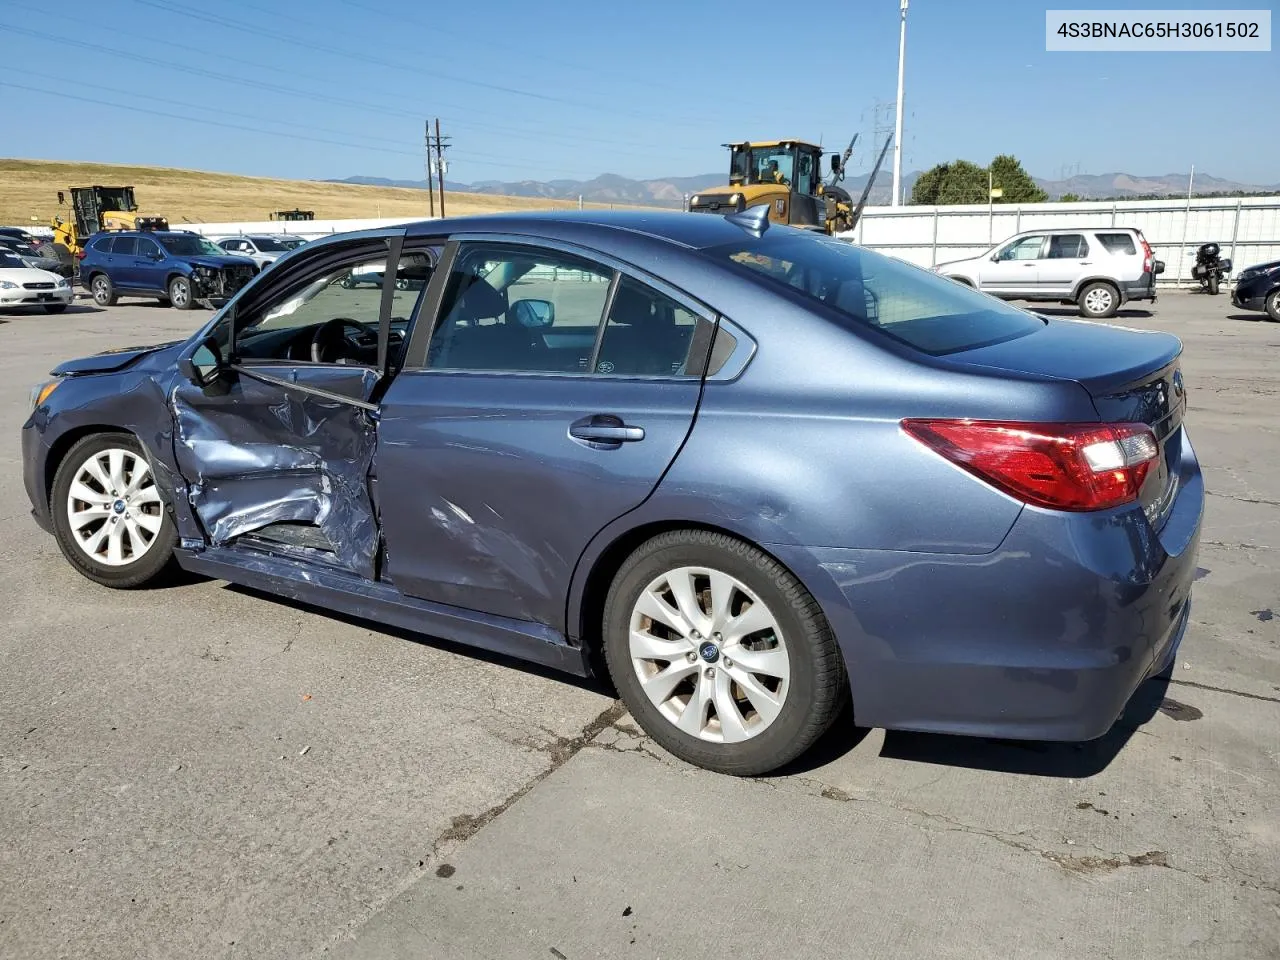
(1112, 282)
(601, 562)
(60, 447)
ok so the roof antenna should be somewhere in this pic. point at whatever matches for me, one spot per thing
(754, 220)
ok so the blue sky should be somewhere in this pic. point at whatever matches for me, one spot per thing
(331, 88)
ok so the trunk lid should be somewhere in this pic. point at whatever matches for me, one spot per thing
(1132, 376)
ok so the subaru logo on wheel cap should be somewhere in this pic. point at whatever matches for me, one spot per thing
(709, 652)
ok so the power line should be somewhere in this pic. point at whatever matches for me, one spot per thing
(200, 15)
(364, 106)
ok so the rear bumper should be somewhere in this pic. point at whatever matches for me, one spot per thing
(1141, 289)
(1045, 638)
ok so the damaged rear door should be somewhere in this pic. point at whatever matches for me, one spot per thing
(277, 446)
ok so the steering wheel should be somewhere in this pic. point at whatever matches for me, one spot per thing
(330, 338)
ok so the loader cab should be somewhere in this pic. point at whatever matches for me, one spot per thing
(793, 164)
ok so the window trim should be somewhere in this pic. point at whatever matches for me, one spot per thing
(415, 357)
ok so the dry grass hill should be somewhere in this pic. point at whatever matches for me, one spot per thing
(29, 188)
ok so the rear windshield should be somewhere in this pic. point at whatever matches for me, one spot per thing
(1118, 243)
(867, 290)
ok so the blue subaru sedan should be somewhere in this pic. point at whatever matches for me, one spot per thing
(748, 472)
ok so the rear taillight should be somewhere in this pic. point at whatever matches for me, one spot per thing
(80, 254)
(1148, 255)
(1063, 466)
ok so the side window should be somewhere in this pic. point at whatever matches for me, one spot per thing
(125, 246)
(512, 308)
(649, 334)
(146, 247)
(1027, 248)
(1067, 246)
(805, 176)
(1119, 243)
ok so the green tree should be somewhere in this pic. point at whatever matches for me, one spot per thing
(957, 182)
(1016, 183)
(961, 181)
(1070, 198)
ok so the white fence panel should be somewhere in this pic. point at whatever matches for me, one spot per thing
(1248, 228)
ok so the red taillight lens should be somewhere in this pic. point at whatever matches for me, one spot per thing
(1148, 255)
(1063, 466)
(79, 254)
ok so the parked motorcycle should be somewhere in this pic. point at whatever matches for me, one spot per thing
(1210, 269)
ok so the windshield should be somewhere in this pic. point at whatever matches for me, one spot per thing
(9, 260)
(930, 313)
(190, 246)
(268, 245)
(772, 165)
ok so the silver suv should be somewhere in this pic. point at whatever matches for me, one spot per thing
(1098, 269)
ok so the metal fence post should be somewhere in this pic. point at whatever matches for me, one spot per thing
(1017, 223)
(933, 249)
(1114, 205)
(1235, 231)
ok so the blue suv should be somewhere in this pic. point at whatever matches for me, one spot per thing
(175, 267)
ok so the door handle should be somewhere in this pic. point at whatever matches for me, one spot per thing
(605, 428)
(1029, 263)
(1086, 263)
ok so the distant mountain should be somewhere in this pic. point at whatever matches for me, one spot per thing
(670, 191)
(1090, 186)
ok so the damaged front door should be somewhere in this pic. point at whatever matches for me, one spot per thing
(277, 440)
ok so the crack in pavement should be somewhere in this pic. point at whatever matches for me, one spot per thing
(561, 751)
(465, 826)
(1231, 496)
(1235, 693)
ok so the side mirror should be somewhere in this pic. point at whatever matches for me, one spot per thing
(995, 257)
(205, 366)
(534, 314)
(835, 163)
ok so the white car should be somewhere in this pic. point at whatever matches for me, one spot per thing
(1097, 269)
(261, 248)
(23, 286)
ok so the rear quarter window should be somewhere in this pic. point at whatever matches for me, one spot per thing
(1121, 243)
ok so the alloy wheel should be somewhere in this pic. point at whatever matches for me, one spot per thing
(709, 654)
(113, 507)
(179, 294)
(1098, 300)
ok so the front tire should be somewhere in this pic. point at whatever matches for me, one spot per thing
(104, 292)
(1272, 305)
(1098, 301)
(720, 653)
(180, 293)
(108, 517)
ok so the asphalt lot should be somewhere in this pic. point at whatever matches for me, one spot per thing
(202, 771)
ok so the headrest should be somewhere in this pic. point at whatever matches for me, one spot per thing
(479, 302)
(633, 307)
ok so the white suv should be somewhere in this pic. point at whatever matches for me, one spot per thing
(1098, 269)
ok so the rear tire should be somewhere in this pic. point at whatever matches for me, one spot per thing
(55, 308)
(104, 292)
(1098, 300)
(743, 696)
(1272, 305)
(180, 293)
(1213, 286)
(108, 517)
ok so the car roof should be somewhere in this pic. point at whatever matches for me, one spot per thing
(692, 230)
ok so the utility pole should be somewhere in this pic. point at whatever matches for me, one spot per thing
(441, 164)
(897, 136)
(431, 192)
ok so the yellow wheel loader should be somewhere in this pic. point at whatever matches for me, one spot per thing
(94, 209)
(786, 176)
